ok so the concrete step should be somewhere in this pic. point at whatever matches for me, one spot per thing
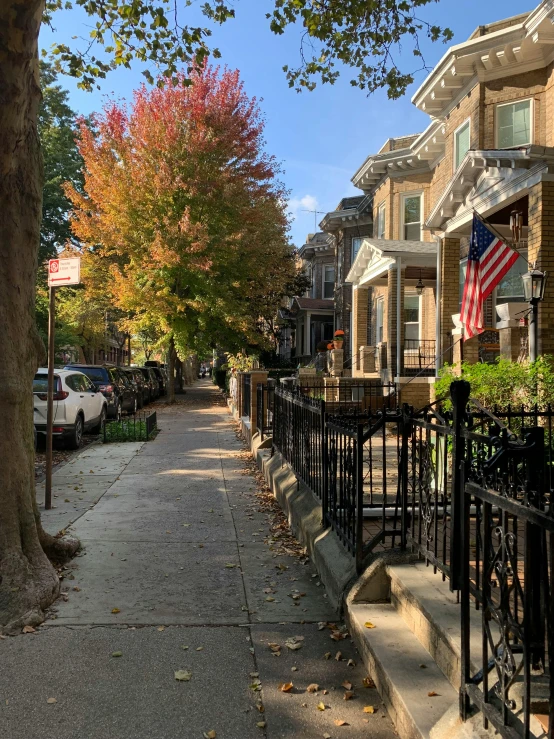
(432, 613)
(412, 687)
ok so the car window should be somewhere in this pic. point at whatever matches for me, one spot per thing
(125, 379)
(114, 377)
(73, 382)
(40, 384)
(96, 374)
(85, 384)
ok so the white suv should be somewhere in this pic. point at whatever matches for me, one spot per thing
(78, 406)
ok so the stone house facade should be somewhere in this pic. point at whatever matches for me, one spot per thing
(489, 148)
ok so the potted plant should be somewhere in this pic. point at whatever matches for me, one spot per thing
(338, 339)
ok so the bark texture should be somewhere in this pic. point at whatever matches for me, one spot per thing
(28, 581)
(171, 371)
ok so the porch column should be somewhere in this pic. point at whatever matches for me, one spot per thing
(449, 298)
(395, 333)
(308, 337)
(540, 241)
(258, 377)
(360, 312)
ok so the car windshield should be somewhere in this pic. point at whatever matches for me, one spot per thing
(40, 383)
(96, 374)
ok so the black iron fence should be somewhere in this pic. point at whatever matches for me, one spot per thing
(469, 490)
(140, 426)
(265, 403)
(246, 394)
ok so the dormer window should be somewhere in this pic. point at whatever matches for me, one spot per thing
(513, 124)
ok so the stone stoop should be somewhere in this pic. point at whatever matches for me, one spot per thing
(413, 651)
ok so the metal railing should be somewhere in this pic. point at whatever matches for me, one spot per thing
(265, 402)
(140, 426)
(419, 356)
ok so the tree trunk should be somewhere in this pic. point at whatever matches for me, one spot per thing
(28, 581)
(171, 371)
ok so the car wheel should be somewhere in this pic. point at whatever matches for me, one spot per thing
(98, 428)
(74, 442)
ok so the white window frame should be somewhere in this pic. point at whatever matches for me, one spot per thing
(455, 147)
(403, 197)
(381, 219)
(380, 302)
(419, 323)
(361, 238)
(531, 119)
(326, 282)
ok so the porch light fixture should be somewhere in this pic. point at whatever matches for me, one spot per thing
(516, 225)
(534, 284)
(420, 287)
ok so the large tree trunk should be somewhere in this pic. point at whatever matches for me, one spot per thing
(28, 581)
(171, 371)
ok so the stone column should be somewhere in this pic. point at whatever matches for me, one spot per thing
(367, 360)
(392, 335)
(360, 312)
(541, 251)
(510, 339)
(257, 377)
(449, 299)
(336, 362)
(470, 350)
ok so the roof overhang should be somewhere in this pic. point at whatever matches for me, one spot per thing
(525, 45)
(376, 256)
(488, 180)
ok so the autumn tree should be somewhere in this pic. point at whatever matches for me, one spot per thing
(143, 32)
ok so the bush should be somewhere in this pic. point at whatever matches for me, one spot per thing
(504, 383)
(219, 377)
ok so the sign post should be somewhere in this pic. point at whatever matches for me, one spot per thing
(61, 272)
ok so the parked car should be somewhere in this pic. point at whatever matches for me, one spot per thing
(161, 380)
(143, 391)
(155, 383)
(79, 407)
(150, 384)
(110, 381)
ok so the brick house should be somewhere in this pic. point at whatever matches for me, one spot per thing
(313, 315)
(489, 147)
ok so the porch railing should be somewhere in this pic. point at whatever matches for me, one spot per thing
(419, 356)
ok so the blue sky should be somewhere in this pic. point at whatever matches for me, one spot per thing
(321, 137)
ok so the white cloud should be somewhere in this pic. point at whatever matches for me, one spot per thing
(297, 205)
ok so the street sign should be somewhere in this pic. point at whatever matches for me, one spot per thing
(63, 272)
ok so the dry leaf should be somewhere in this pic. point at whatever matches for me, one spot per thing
(369, 625)
(351, 663)
(346, 685)
(199, 649)
(321, 706)
(312, 688)
(28, 630)
(321, 625)
(261, 724)
(210, 734)
(349, 694)
(183, 675)
(340, 722)
(230, 566)
(326, 736)
(338, 656)
(51, 700)
(269, 599)
(285, 687)
(369, 709)
(328, 655)
(432, 694)
(116, 610)
(369, 682)
(117, 654)
(161, 628)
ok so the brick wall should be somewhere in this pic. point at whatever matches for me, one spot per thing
(541, 251)
(391, 191)
(450, 288)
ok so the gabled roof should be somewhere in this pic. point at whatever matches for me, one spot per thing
(375, 256)
(318, 242)
(314, 304)
(351, 211)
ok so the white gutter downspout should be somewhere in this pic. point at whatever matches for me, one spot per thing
(437, 308)
(398, 315)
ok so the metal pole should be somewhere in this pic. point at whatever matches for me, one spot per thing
(50, 398)
(534, 331)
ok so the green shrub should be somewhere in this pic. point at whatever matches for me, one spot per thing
(504, 383)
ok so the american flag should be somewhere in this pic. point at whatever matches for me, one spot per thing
(488, 261)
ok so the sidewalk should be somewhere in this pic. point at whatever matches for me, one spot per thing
(179, 571)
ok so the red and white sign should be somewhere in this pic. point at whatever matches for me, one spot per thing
(64, 272)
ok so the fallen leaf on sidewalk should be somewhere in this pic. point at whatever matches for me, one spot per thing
(261, 724)
(183, 675)
(338, 656)
(312, 688)
(210, 734)
(161, 628)
(51, 700)
(199, 649)
(340, 722)
(348, 695)
(369, 682)
(369, 625)
(321, 625)
(321, 706)
(28, 630)
(432, 694)
(326, 736)
(117, 654)
(293, 643)
(116, 610)
(347, 685)
(369, 709)
(230, 566)
(327, 655)
(285, 687)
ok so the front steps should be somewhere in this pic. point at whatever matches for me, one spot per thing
(413, 650)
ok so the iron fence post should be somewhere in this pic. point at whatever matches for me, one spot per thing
(324, 462)
(359, 496)
(459, 394)
(406, 432)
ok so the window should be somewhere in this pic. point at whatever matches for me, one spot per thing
(379, 319)
(513, 124)
(328, 281)
(381, 215)
(511, 287)
(356, 243)
(462, 278)
(411, 320)
(461, 143)
(411, 220)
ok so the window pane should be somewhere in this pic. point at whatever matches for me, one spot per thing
(411, 308)
(522, 132)
(412, 232)
(412, 209)
(411, 333)
(381, 223)
(514, 124)
(512, 285)
(379, 319)
(462, 144)
(328, 289)
(356, 243)
(462, 278)
(329, 273)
